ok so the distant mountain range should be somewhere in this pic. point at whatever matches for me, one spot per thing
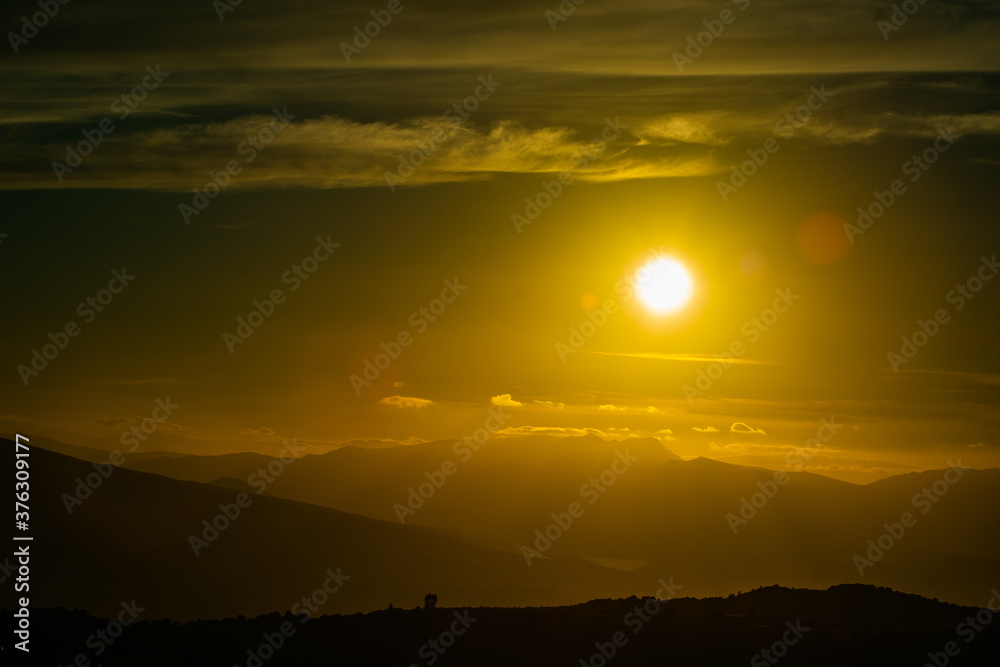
(658, 517)
(131, 538)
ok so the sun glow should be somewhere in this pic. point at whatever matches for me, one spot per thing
(664, 285)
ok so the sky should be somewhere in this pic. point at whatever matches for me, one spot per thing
(509, 169)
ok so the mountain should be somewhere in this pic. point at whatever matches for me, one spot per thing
(493, 494)
(202, 468)
(131, 540)
(719, 527)
(94, 454)
(234, 484)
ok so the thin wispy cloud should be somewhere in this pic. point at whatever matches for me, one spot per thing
(697, 358)
(558, 431)
(405, 402)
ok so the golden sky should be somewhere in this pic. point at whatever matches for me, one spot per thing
(636, 159)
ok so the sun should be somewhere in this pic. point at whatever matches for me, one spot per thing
(664, 285)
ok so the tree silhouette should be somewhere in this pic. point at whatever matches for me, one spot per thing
(430, 601)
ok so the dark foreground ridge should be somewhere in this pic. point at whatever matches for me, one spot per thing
(844, 625)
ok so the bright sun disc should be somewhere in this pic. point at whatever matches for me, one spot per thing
(664, 285)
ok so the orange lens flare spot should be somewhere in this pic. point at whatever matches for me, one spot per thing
(821, 239)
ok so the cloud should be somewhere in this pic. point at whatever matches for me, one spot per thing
(705, 429)
(117, 422)
(505, 400)
(776, 457)
(380, 443)
(772, 456)
(611, 408)
(726, 129)
(263, 430)
(700, 128)
(755, 449)
(164, 426)
(651, 410)
(558, 431)
(112, 421)
(636, 37)
(665, 434)
(405, 402)
(538, 129)
(697, 358)
(551, 404)
(335, 152)
(740, 427)
(141, 381)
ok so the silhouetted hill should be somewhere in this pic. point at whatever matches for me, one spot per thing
(234, 484)
(676, 517)
(497, 495)
(130, 540)
(203, 468)
(845, 625)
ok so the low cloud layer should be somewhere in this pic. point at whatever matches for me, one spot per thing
(405, 402)
(670, 131)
